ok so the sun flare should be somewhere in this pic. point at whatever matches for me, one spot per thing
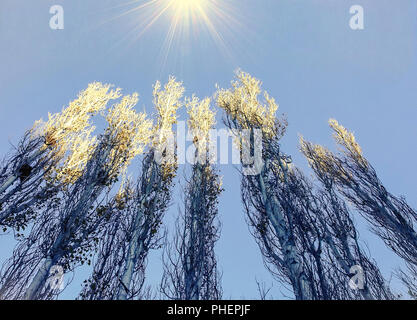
(185, 7)
(185, 20)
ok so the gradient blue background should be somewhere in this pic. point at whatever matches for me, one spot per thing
(304, 52)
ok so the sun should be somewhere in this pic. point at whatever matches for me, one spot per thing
(185, 19)
(195, 11)
(185, 7)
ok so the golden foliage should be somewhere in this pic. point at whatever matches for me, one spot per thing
(347, 140)
(166, 102)
(71, 169)
(213, 183)
(319, 157)
(242, 104)
(129, 132)
(68, 133)
(201, 120)
(125, 193)
(323, 161)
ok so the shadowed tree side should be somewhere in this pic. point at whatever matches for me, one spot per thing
(111, 249)
(26, 170)
(190, 265)
(327, 233)
(409, 279)
(116, 254)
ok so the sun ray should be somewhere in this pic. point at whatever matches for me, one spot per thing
(138, 8)
(188, 20)
(154, 19)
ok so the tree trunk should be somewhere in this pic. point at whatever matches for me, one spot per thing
(39, 280)
(300, 284)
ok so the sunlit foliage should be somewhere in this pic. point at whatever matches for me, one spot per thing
(347, 140)
(129, 131)
(201, 120)
(242, 103)
(68, 134)
(166, 102)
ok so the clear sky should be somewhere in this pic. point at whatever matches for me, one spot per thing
(304, 51)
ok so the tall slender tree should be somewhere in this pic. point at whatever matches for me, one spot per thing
(190, 266)
(245, 111)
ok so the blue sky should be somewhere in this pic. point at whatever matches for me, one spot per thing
(304, 52)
